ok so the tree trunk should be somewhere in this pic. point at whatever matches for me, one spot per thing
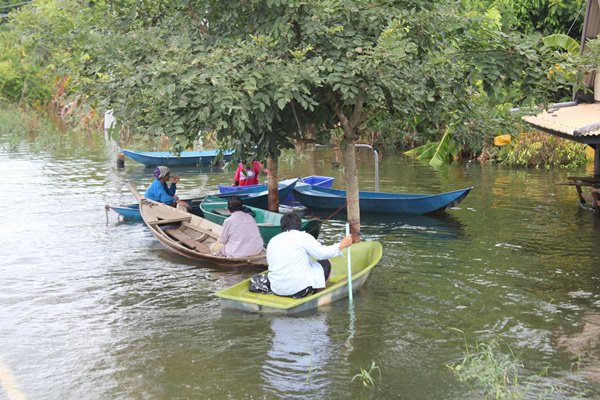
(351, 177)
(350, 127)
(272, 183)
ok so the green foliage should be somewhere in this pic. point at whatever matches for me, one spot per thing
(486, 369)
(366, 377)
(42, 133)
(21, 81)
(445, 150)
(562, 42)
(591, 57)
(254, 74)
(540, 150)
(544, 16)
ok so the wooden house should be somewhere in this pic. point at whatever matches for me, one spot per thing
(579, 120)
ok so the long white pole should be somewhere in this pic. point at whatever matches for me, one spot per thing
(349, 267)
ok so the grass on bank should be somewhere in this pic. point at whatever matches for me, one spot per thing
(44, 133)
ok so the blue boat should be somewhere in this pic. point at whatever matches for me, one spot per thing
(259, 196)
(186, 158)
(131, 212)
(380, 202)
(315, 180)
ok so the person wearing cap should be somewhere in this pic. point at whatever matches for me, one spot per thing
(160, 191)
(240, 237)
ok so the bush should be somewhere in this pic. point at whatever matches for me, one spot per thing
(540, 150)
(20, 80)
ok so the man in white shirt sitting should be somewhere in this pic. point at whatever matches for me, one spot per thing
(290, 254)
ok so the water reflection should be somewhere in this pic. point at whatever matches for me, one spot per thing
(294, 364)
(583, 345)
(373, 226)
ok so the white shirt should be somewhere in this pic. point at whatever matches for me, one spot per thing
(292, 267)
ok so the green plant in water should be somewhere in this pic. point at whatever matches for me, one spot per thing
(366, 377)
(486, 369)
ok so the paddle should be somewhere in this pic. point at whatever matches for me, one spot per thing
(349, 268)
(350, 303)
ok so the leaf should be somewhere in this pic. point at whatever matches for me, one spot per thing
(417, 151)
(562, 42)
(443, 150)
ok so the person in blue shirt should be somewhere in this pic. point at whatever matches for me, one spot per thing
(160, 191)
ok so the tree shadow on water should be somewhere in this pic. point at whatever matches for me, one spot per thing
(442, 226)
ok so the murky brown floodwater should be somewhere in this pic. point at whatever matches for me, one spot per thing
(92, 308)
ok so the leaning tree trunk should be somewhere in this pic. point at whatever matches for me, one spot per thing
(272, 183)
(351, 177)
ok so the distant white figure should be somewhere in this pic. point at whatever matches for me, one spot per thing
(109, 120)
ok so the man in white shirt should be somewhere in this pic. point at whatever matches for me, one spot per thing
(290, 254)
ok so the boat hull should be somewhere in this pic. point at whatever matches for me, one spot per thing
(315, 180)
(259, 197)
(131, 212)
(365, 256)
(186, 158)
(380, 202)
(268, 221)
(189, 235)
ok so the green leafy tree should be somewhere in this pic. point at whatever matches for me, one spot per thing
(257, 73)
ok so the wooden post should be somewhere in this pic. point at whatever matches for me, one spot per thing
(596, 160)
(272, 184)
(120, 160)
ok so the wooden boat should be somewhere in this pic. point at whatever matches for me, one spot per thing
(380, 202)
(131, 212)
(259, 197)
(365, 255)
(215, 209)
(315, 180)
(188, 234)
(154, 158)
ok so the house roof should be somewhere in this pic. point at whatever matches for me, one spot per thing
(579, 122)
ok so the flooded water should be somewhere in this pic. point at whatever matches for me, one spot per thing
(95, 308)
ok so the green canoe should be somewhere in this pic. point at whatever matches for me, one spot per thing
(364, 255)
(215, 210)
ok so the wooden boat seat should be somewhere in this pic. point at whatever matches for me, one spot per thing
(222, 211)
(188, 241)
(170, 221)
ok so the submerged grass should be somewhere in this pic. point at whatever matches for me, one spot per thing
(494, 374)
(366, 377)
(43, 133)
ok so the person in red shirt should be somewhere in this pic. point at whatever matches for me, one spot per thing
(247, 173)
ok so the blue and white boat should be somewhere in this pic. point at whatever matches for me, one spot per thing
(380, 202)
(186, 158)
(315, 180)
